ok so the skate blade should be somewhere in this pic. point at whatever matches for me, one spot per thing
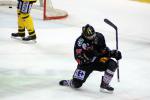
(105, 91)
(26, 42)
(17, 38)
(29, 42)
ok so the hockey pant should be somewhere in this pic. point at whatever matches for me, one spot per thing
(83, 72)
(25, 21)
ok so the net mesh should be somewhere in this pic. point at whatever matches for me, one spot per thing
(49, 12)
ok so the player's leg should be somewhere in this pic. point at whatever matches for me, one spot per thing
(79, 77)
(28, 22)
(21, 27)
(111, 66)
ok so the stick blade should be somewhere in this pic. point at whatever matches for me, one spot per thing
(110, 23)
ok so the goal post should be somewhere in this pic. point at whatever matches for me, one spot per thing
(49, 12)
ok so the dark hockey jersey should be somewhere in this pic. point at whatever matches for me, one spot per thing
(86, 51)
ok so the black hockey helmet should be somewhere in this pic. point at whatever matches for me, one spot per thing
(88, 30)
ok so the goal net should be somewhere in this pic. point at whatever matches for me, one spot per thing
(49, 12)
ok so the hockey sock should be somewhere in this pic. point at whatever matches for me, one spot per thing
(108, 76)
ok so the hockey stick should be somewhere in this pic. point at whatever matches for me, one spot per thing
(116, 29)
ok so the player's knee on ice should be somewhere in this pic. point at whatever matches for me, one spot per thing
(76, 83)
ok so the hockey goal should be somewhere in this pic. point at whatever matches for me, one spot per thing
(49, 12)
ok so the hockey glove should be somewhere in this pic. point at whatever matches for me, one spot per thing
(116, 54)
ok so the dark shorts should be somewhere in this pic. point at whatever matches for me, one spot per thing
(83, 71)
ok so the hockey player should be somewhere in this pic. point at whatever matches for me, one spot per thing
(92, 54)
(25, 20)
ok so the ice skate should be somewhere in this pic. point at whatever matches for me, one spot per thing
(29, 39)
(17, 36)
(106, 88)
(64, 83)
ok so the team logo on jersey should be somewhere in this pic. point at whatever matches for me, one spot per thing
(80, 42)
(84, 46)
(78, 51)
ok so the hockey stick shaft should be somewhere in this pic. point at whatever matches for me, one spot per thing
(116, 29)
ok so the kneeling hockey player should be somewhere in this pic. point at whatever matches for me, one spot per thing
(25, 20)
(92, 54)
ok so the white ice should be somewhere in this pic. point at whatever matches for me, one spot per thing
(32, 71)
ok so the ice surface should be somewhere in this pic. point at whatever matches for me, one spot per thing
(32, 71)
